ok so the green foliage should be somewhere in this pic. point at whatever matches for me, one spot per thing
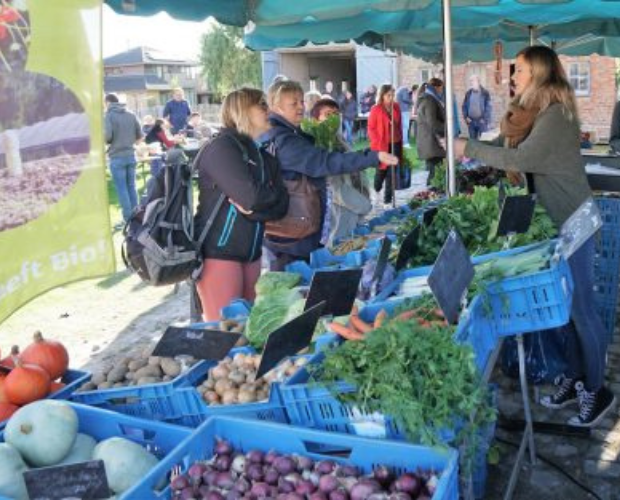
(416, 375)
(226, 63)
(325, 133)
(276, 296)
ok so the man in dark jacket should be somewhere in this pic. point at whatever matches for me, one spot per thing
(122, 131)
(177, 111)
(477, 108)
(298, 156)
(614, 134)
(431, 115)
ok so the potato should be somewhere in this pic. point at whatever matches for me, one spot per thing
(130, 376)
(246, 396)
(117, 374)
(88, 386)
(154, 360)
(119, 384)
(223, 385)
(104, 385)
(230, 396)
(99, 378)
(148, 371)
(136, 364)
(148, 380)
(167, 378)
(170, 367)
(211, 397)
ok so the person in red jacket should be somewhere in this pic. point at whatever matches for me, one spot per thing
(385, 133)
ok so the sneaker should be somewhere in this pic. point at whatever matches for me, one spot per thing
(593, 406)
(565, 395)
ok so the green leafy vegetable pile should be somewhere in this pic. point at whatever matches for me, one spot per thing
(475, 217)
(416, 375)
(325, 133)
(277, 301)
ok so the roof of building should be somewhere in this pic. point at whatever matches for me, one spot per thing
(128, 83)
(145, 55)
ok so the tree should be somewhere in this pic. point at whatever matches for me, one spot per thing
(226, 63)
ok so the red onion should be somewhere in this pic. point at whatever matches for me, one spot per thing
(408, 483)
(383, 475)
(214, 495)
(347, 470)
(304, 463)
(195, 473)
(188, 493)
(222, 447)
(254, 471)
(400, 496)
(285, 486)
(348, 482)
(179, 483)
(325, 467)
(260, 490)
(339, 494)
(317, 495)
(284, 465)
(238, 464)
(328, 483)
(234, 495)
(362, 490)
(293, 477)
(271, 476)
(210, 476)
(305, 487)
(242, 485)
(222, 463)
(255, 456)
(224, 480)
(270, 457)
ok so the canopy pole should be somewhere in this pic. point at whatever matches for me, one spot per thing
(532, 31)
(449, 97)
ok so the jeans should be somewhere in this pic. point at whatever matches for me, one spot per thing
(405, 116)
(124, 176)
(348, 131)
(586, 338)
(476, 127)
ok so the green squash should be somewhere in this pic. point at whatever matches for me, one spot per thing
(12, 466)
(126, 462)
(43, 432)
(82, 450)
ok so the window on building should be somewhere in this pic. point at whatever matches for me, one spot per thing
(426, 74)
(579, 77)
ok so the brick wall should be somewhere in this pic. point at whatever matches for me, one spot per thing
(595, 109)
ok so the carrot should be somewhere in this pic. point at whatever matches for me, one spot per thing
(380, 318)
(345, 332)
(438, 312)
(359, 324)
(424, 322)
(403, 316)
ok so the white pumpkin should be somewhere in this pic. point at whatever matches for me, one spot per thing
(126, 462)
(12, 467)
(43, 432)
(82, 450)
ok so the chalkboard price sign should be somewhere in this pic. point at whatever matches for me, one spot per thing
(199, 343)
(85, 480)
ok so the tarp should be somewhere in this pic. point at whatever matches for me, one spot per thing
(419, 32)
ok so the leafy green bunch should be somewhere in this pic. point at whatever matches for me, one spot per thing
(325, 133)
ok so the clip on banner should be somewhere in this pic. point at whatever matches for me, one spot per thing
(289, 339)
(579, 228)
(84, 480)
(451, 275)
(336, 288)
(191, 341)
(516, 214)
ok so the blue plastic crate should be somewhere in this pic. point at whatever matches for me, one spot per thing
(364, 453)
(72, 379)
(607, 263)
(152, 401)
(159, 438)
(322, 258)
(530, 303)
(238, 309)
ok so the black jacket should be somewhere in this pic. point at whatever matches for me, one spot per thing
(255, 185)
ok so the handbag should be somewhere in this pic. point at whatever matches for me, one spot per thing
(304, 211)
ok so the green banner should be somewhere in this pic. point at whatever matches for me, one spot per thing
(54, 219)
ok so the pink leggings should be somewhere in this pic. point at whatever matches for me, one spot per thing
(224, 280)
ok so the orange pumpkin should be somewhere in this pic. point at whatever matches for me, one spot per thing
(6, 410)
(26, 383)
(9, 361)
(56, 386)
(50, 355)
(3, 398)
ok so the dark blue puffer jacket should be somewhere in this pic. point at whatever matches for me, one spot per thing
(297, 154)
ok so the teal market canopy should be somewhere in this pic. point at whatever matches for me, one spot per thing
(576, 27)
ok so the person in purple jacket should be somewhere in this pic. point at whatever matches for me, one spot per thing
(297, 154)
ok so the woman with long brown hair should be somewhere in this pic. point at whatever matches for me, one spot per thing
(540, 138)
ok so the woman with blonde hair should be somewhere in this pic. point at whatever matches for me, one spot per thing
(299, 157)
(540, 138)
(240, 188)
